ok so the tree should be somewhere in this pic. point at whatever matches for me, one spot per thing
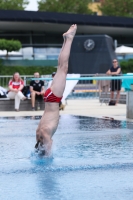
(10, 45)
(65, 6)
(117, 7)
(13, 4)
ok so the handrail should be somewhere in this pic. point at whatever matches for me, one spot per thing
(90, 78)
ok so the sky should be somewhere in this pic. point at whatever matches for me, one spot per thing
(32, 5)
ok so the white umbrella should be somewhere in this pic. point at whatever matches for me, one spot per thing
(124, 50)
(3, 52)
(15, 53)
(12, 53)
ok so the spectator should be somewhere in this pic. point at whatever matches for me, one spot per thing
(115, 70)
(16, 85)
(36, 90)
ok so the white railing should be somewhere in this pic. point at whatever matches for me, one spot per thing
(4, 80)
(88, 86)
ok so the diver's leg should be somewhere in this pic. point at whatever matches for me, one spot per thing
(59, 81)
(61, 50)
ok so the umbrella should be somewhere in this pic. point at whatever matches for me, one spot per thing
(15, 53)
(12, 53)
(3, 52)
(124, 50)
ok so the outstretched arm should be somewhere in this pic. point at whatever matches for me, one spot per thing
(108, 72)
(117, 72)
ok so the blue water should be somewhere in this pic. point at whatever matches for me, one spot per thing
(92, 159)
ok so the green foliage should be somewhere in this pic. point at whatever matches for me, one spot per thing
(2, 44)
(26, 70)
(127, 66)
(65, 6)
(117, 8)
(13, 4)
(10, 45)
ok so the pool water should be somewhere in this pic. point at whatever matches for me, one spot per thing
(92, 159)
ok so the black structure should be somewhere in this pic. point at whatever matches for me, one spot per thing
(64, 18)
(44, 29)
(91, 54)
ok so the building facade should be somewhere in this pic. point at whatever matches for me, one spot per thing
(45, 29)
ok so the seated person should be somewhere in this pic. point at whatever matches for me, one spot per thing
(16, 85)
(36, 90)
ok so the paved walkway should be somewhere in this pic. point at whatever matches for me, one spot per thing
(90, 107)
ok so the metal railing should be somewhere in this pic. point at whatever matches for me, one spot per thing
(88, 85)
(4, 80)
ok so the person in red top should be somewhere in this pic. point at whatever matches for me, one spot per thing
(16, 85)
(52, 97)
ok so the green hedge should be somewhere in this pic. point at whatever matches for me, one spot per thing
(127, 66)
(4, 70)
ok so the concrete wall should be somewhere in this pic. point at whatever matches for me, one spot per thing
(129, 113)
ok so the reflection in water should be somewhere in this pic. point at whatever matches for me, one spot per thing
(48, 186)
(34, 117)
(46, 180)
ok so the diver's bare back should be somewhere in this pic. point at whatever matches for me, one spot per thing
(50, 118)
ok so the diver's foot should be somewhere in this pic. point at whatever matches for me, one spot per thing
(71, 32)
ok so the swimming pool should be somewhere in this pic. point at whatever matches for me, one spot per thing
(92, 159)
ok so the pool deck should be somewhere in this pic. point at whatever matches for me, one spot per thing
(80, 107)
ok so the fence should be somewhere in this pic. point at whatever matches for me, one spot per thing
(96, 86)
(4, 80)
(88, 85)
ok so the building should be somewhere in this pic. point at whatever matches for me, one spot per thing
(44, 29)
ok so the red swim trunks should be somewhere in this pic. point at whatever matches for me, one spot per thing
(50, 97)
